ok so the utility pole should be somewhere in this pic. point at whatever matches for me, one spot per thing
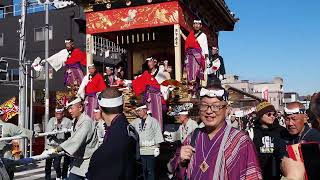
(46, 115)
(22, 92)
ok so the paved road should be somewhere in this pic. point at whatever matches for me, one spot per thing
(33, 172)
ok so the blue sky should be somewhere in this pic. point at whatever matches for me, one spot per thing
(275, 38)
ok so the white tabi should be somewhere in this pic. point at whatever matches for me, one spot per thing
(53, 125)
(82, 144)
(185, 130)
(150, 135)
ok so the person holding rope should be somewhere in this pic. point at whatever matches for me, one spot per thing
(82, 143)
(116, 157)
(57, 123)
(10, 130)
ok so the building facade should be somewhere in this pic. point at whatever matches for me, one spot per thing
(62, 25)
(271, 91)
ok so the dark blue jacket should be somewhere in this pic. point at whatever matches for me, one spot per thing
(115, 159)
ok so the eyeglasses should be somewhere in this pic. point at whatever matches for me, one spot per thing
(214, 108)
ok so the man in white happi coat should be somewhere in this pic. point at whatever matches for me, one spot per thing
(82, 143)
(10, 130)
(150, 136)
(57, 123)
(101, 124)
(187, 126)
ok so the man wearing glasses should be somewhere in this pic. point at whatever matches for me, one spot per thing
(296, 121)
(267, 136)
(218, 151)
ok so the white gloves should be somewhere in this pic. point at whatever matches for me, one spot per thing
(156, 152)
(48, 152)
(37, 64)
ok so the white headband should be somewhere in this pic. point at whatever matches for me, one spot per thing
(183, 113)
(141, 107)
(107, 67)
(150, 58)
(294, 111)
(96, 110)
(197, 21)
(91, 65)
(59, 110)
(67, 41)
(73, 102)
(211, 93)
(112, 102)
(214, 93)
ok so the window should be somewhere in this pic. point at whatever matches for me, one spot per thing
(1, 39)
(14, 75)
(2, 12)
(39, 33)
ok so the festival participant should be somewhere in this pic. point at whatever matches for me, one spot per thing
(109, 78)
(70, 57)
(267, 136)
(92, 84)
(82, 143)
(57, 123)
(9, 130)
(187, 126)
(101, 124)
(115, 159)
(149, 84)
(296, 123)
(215, 64)
(150, 135)
(216, 151)
(197, 53)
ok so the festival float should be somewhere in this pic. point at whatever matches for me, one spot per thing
(144, 28)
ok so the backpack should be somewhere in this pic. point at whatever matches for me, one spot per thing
(133, 134)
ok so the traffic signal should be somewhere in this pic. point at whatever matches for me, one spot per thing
(3, 66)
(3, 70)
(4, 77)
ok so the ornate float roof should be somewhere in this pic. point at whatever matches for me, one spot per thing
(215, 13)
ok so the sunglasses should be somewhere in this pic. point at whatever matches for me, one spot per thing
(271, 114)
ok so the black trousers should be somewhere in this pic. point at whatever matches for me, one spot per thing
(57, 167)
(148, 167)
